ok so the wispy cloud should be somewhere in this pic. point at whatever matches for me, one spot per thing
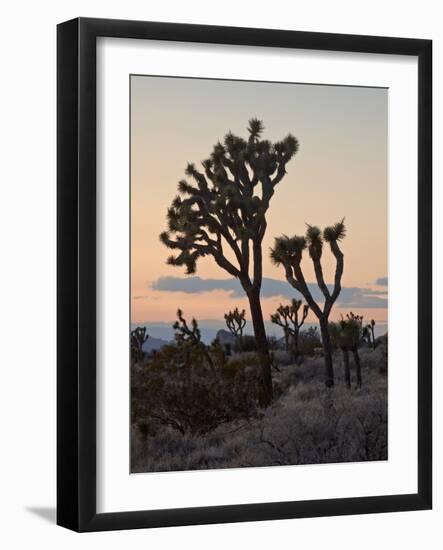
(382, 281)
(349, 296)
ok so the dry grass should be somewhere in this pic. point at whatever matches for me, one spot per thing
(307, 424)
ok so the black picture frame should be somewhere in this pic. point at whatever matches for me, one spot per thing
(76, 265)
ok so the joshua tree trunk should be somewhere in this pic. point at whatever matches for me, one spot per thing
(262, 345)
(240, 341)
(347, 370)
(357, 366)
(286, 341)
(294, 346)
(327, 350)
(373, 336)
(296, 351)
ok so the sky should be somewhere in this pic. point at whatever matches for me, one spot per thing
(339, 171)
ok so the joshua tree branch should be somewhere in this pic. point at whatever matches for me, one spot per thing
(258, 269)
(338, 272)
(305, 314)
(320, 279)
(224, 263)
(303, 288)
(281, 172)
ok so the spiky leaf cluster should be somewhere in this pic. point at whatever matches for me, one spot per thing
(336, 232)
(289, 250)
(314, 239)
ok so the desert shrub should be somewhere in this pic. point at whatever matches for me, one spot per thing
(382, 348)
(227, 348)
(282, 357)
(307, 424)
(376, 359)
(248, 344)
(193, 389)
(272, 342)
(308, 341)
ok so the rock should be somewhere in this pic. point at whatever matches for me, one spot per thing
(225, 337)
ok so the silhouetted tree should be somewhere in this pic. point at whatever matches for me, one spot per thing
(281, 318)
(138, 337)
(354, 332)
(185, 334)
(371, 327)
(339, 339)
(188, 338)
(235, 321)
(288, 252)
(223, 215)
(347, 335)
(366, 335)
(287, 318)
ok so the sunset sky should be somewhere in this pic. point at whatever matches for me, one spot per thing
(340, 170)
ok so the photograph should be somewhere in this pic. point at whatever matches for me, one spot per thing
(228, 221)
(259, 274)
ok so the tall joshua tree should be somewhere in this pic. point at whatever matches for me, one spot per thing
(222, 214)
(288, 252)
(287, 318)
(235, 321)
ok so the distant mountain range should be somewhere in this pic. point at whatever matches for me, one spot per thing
(163, 333)
(154, 344)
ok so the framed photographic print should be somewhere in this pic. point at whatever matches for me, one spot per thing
(244, 274)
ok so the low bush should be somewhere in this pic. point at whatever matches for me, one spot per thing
(193, 389)
(306, 424)
(248, 343)
(308, 341)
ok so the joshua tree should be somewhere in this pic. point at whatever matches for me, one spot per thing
(183, 333)
(288, 252)
(287, 318)
(371, 332)
(189, 340)
(138, 337)
(235, 321)
(339, 339)
(281, 318)
(347, 335)
(296, 324)
(224, 210)
(354, 332)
